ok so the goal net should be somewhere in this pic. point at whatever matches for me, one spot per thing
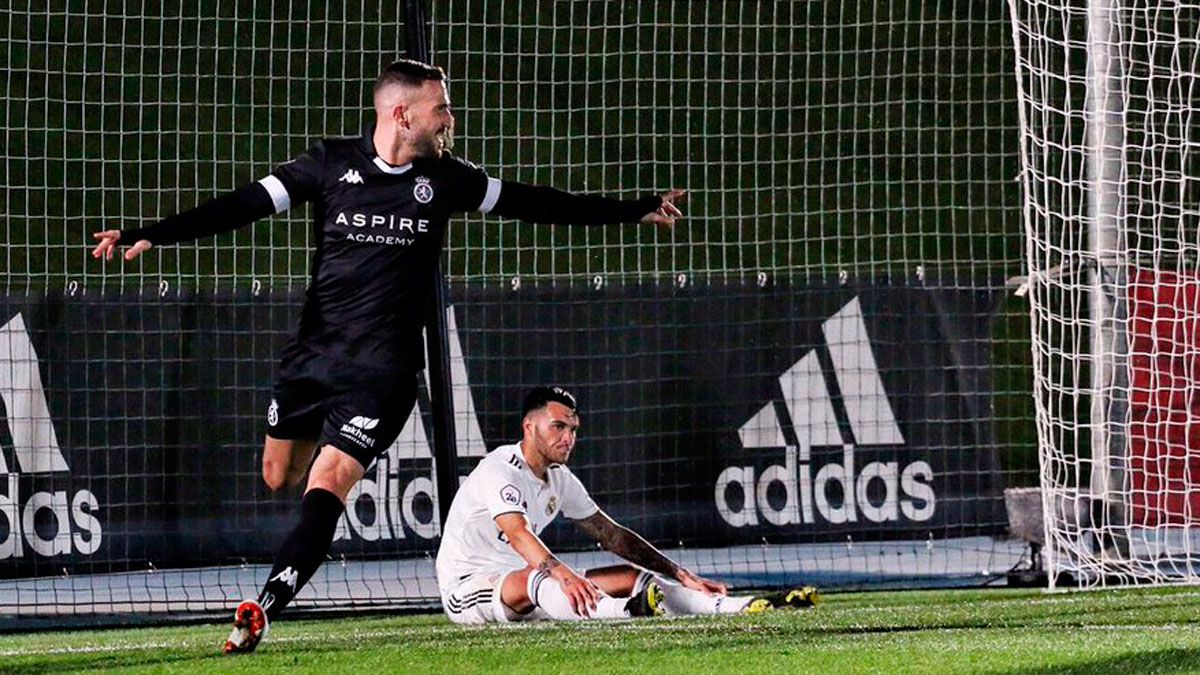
(1107, 98)
(774, 383)
(812, 378)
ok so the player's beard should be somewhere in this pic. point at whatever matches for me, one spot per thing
(549, 451)
(557, 455)
(446, 138)
(436, 143)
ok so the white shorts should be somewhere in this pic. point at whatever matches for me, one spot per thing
(476, 600)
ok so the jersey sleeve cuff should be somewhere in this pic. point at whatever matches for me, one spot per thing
(586, 515)
(491, 195)
(279, 194)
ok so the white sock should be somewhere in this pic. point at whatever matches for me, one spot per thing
(680, 600)
(546, 593)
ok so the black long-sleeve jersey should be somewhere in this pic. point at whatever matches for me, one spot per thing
(379, 230)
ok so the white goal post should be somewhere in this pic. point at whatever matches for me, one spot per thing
(1111, 171)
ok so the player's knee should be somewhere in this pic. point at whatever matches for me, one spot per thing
(514, 592)
(275, 475)
(618, 581)
(335, 471)
(275, 483)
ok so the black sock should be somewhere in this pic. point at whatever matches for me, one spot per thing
(303, 551)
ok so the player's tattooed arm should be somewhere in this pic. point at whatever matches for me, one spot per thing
(628, 544)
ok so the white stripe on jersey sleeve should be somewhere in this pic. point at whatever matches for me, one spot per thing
(491, 196)
(279, 194)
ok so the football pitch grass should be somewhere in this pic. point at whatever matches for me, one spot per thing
(987, 630)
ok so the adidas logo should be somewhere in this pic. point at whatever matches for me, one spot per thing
(76, 527)
(352, 176)
(805, 417)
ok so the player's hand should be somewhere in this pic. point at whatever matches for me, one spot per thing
(669, 211)
(698, 583)
(582, 593)
(108, 244)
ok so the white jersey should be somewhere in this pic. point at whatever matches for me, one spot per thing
(503, 483)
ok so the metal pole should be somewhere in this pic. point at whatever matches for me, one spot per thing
(437, 341)
(1107, 301)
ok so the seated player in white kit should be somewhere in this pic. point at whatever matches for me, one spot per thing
(492, 567)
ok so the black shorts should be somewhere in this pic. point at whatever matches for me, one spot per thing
(360, 413)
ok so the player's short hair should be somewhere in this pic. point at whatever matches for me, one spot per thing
(539, 397)
(409, 73)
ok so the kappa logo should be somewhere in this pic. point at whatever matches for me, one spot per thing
(76, 527)
(423, 190)
(804, 418)
(287, 576)
(352, 176)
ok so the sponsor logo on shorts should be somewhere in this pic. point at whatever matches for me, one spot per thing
(356, 430)
(273, 413)
(509, 494)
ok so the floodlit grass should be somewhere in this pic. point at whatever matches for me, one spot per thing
(996, 631)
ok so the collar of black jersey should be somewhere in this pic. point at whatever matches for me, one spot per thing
(367, 142)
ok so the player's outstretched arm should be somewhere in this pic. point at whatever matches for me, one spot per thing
(225, 213)
(628, 544)
(541, 204)
(581, 592)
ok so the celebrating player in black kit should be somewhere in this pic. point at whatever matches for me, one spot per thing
(348, 379)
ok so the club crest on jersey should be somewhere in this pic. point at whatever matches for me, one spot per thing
(423, 191)
(510, 495)
(551, 505)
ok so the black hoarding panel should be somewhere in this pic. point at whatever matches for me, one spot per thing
(713, 416)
